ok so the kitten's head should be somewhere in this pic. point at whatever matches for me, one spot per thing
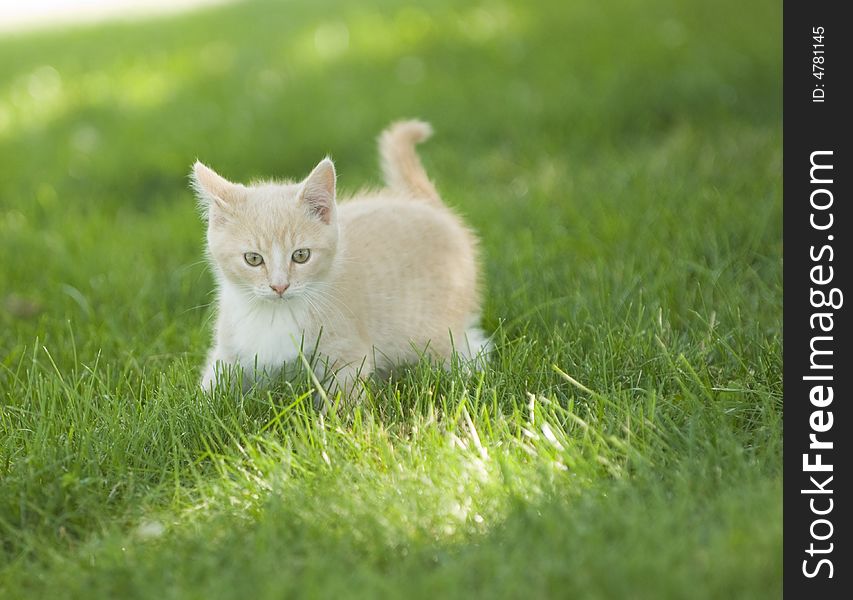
(273, 241)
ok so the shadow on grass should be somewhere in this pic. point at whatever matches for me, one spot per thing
(264, 88)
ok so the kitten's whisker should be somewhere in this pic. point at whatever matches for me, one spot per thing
(324, 312)
(317, 296)
(313, 306)
(326, 292)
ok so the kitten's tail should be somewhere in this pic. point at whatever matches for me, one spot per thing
(401, 166)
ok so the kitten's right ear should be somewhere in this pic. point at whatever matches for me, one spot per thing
(318, 191)
(213, 191)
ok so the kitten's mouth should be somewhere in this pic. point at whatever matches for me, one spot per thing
(278, 299)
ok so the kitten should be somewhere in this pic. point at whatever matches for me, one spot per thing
(377, 281)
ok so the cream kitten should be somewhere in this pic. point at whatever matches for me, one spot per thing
(379, 280)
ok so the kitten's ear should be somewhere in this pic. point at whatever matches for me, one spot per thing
(318, 191)
(212, 190)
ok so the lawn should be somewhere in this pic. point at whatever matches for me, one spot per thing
(621, 162)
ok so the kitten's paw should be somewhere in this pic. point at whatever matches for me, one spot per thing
(220, 373)
(343, 392)
(474, 349)
(208, 380)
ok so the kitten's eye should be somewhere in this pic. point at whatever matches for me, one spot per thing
(253, 259)
(302, 255)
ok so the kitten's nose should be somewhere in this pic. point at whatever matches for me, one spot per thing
(280, 289)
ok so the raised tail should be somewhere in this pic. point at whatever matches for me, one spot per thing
(401, 166)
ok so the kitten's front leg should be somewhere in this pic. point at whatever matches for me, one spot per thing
(218, 363)
(208, 378)
(347, 379)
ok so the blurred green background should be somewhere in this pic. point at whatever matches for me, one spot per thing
(621, 162)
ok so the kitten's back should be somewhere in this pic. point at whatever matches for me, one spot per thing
(410, 263)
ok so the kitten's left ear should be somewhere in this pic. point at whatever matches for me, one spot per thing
(318, 191)
(214, 192)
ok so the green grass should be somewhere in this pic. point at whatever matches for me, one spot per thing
(621, 163)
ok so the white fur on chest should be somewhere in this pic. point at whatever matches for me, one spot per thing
(263, 335)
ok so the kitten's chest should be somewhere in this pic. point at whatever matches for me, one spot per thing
(271, 338)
